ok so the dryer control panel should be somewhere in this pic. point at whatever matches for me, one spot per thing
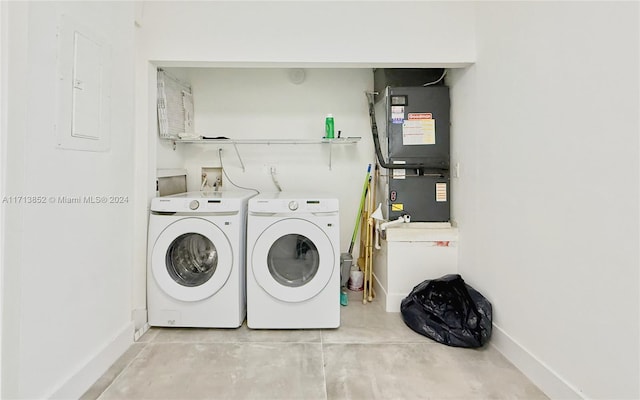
(293, 205)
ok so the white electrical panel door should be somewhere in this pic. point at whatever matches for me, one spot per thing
(87, 87)
(83, 88)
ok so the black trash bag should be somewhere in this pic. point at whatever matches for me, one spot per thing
(448, 311)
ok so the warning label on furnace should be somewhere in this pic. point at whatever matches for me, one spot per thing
(441, 192)
(418, 131)
(397, 114)
(399, 173)
(420, 116)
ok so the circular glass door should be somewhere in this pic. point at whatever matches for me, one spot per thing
(191, 259)
(293, 260)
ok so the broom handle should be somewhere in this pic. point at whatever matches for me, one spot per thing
(364, 195)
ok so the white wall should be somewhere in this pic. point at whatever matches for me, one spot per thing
(282, 35)
(546, 131)
(531, 238)
(264, 104)
(361, 33)
(4, 45)
(67, 267)
(4, 85)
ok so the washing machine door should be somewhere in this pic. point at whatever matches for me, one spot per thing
(293, 260)
(191, 259)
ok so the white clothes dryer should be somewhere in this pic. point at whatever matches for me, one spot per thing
(196, 260)
(293, 262)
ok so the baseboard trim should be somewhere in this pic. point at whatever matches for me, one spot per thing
(138, 334)
(537, 371)
(380, 292)
(390, 301)
(88, 374)
(139, 317)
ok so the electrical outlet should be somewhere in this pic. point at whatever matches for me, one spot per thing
(211, 178)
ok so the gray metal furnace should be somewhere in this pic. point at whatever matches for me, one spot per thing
(413, 123)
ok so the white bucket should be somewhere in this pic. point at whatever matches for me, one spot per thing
(356, 280)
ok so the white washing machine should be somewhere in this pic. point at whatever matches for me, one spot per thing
(293, 262)
(196, 260)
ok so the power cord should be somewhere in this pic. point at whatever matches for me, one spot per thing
(224, 171)
(444, 72)
(273, 178)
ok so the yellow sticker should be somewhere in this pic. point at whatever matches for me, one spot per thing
(418, 131)
(397, 207)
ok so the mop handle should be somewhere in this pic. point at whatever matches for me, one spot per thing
(364, 195)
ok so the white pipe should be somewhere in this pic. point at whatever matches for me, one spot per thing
(385, 225)
(377, 215)
(376, 237)
(381, 227)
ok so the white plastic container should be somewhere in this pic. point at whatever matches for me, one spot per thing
(410, 254)
(356, 280)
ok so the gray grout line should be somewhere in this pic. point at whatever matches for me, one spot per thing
(324, 370)
(236, 342)
(322, 342)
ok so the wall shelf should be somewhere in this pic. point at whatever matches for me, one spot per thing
(235, 142)
(345, 140)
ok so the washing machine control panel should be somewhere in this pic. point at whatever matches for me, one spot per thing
(201, 202)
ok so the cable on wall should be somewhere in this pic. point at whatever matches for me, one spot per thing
(273, 178)
(224, 171)
(444, 72)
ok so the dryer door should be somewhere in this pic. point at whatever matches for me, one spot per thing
(191, 259)
(293, 260)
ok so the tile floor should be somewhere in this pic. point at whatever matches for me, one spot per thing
(373, 355)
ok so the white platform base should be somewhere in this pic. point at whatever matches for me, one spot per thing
(411, 254)
(390, 301)
(95, 366)
(541, 374)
